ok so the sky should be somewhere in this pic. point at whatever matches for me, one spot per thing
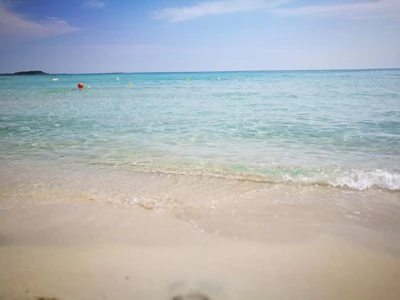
(96, 36)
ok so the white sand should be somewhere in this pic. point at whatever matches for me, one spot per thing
(61, 237)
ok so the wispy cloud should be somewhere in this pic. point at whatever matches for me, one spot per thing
(16, 26)
(389, 9)
(180, 14)
(93, 4)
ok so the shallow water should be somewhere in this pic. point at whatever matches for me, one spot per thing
(331, 128)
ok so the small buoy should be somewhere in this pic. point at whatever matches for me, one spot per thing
(88, 86)
(129, 84)
(80, 85)
(188, 79)
(237, 77)
(218, 78)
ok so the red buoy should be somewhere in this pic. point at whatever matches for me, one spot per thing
(80, 85)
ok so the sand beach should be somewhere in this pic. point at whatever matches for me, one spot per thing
(82, 233)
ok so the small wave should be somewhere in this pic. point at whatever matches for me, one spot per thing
(361, 180)
(342, 178)
(337, 177)
(334, 176)
(354, 179)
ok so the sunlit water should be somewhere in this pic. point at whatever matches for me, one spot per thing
(332, 128)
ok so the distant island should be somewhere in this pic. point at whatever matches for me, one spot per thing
(25, 73)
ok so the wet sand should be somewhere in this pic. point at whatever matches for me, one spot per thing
(63, 236)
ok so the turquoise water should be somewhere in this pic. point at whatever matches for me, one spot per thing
(334, 128)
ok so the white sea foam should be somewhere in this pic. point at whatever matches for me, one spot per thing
(361, 180)
(353, 179)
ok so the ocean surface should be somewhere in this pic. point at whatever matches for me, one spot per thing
(329, 128)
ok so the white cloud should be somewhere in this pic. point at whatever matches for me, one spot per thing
(93, 4)
(17, 27)
(389, 9)
(179, 14)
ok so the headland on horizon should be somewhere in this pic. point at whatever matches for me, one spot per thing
(36, 72)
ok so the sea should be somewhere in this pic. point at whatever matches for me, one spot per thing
(338, 129)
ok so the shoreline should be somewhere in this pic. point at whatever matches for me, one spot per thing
(82, 233)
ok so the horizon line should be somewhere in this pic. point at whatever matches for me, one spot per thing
(220, 71)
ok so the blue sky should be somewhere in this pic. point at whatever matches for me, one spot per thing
(90, 36)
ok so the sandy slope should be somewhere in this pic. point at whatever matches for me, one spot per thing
(98, 251)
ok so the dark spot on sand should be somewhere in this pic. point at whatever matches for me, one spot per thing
(194, 296)
(127, 277)
(46, 298)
